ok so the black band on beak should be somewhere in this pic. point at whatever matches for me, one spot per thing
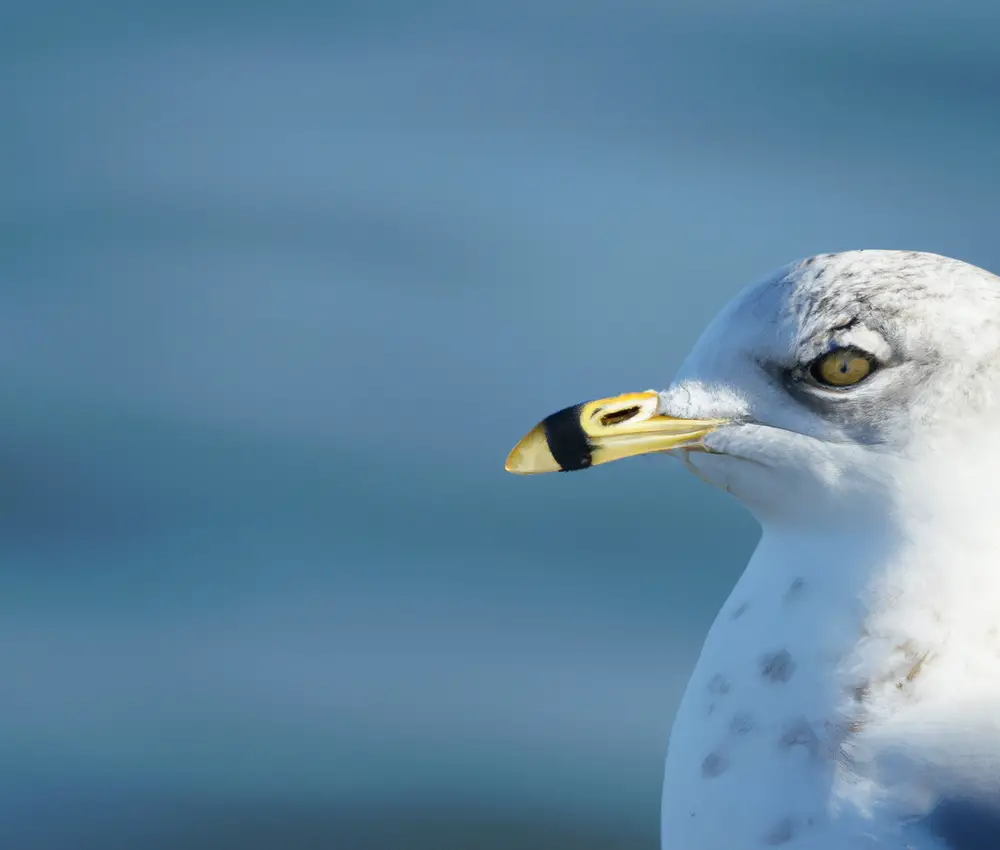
(567, 441)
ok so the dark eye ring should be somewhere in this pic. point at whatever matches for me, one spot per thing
(842, 367)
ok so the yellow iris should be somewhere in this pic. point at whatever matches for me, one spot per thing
(842, 367)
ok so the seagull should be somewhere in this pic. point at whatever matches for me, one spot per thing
(847, 695)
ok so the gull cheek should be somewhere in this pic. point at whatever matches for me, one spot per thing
(710, 468)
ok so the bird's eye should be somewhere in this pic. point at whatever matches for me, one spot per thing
(842, 367)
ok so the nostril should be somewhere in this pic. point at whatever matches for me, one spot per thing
(618, 416)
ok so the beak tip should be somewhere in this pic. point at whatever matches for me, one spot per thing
(532, 455)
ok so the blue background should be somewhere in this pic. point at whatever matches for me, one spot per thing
(281, 285)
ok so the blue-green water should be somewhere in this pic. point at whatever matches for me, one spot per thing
(280, 286)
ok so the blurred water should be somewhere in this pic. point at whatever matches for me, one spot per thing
(281, 286)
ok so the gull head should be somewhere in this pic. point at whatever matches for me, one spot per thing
(817, 394)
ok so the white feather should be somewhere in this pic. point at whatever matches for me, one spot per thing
(852, 679)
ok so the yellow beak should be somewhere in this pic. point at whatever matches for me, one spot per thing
(601, 431)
